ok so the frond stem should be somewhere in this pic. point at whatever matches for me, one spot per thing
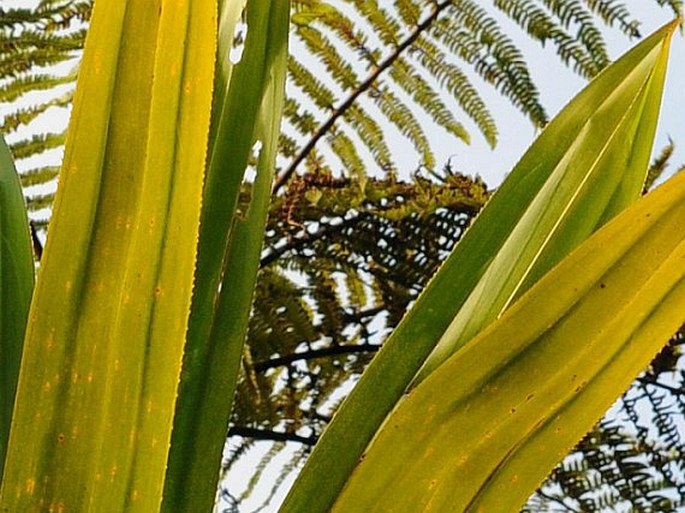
(363, 87)
(269, 434)
(557, 501)
(315, 353)
(655, 382)
(305, 238)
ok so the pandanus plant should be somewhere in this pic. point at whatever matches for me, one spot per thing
(118, 368)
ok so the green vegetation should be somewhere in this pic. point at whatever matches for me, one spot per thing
(558, 295)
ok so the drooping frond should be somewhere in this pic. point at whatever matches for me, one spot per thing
(659, 165)
(437, 55)
(615, 13)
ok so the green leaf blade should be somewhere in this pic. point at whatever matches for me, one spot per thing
(16, 286)
(231, 236)
(601, 170)
(100, 372)
(484, 429)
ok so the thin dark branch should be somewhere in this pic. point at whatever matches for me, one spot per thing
(305, 239)
(315, 353)
(656, 383)
(268, 434)
(360, 315)
(315, 415)
(363, 87)
(557, 500)
(35, 241)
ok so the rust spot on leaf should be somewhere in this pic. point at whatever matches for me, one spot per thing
(60, 507)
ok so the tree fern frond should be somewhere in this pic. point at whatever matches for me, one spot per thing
(613, 12)
(370, 132)
(287, 146)
(675, 5)
(363, 87)
(23, 60)
(572, 13)
(39, 175)
(409, 11)
(319, 45)
(273, 451)
(285, 471)
(430, 36)
(37, 202)
(36, 144)
(26, 116)
(301, 119)
(472, 34)
(425, 97)
(403, 118)
(345, 149)
(455, 82)
(659, 165)
(310, 85)
(13, 89)
(49, 16)
(34, 39)
(382, 22)
(541, 26)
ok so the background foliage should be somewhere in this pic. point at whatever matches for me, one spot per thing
(349, 244)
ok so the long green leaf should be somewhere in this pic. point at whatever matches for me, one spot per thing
(16, 286)
(104, 343)
(246, 111)
(587, 165)
(483, 430)
(601, 172)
